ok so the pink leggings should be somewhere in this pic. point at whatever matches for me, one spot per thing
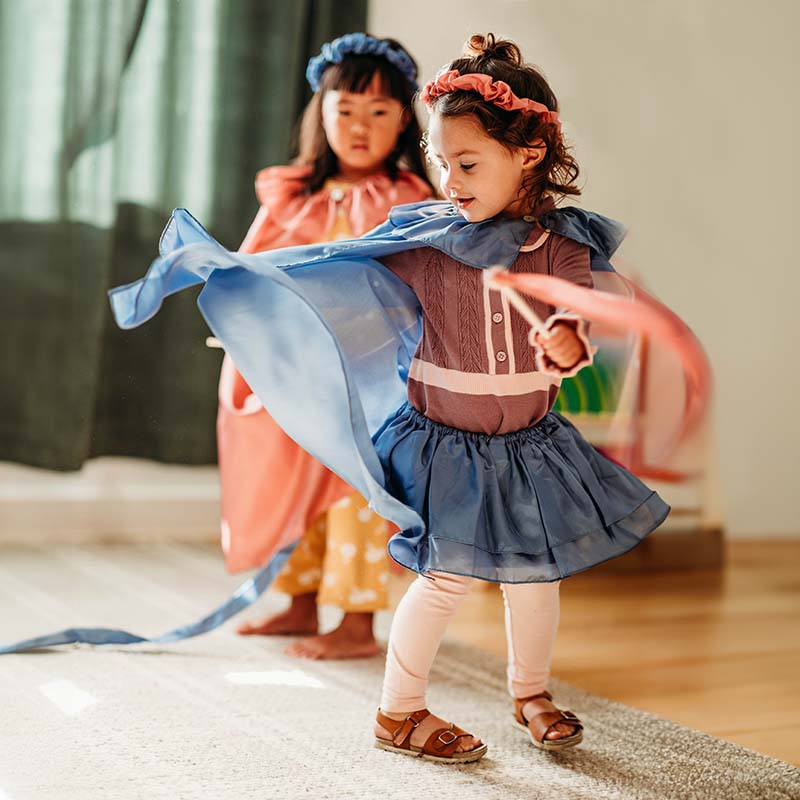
(422, 617)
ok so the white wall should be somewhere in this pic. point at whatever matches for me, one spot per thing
(683, 119)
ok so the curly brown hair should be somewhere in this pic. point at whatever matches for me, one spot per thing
(501, 59)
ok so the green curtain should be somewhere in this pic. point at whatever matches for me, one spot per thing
(112, 113)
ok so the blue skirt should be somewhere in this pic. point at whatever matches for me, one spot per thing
(532, 506)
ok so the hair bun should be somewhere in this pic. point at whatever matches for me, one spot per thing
(488, 46)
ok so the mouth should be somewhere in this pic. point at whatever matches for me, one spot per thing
(361, 146)
(463, 202)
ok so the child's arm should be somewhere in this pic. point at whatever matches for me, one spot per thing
(565, 347)
(561, 341)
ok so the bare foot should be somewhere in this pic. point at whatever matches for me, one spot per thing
(300, 619)
(421, 733)
(561, 729)
(352, 639)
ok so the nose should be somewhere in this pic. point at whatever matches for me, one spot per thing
(359, 127)
(449, 186)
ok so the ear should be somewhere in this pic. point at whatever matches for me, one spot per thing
(534, 154)
(405, 119)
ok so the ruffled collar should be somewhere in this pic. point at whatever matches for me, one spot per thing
(366, 203)
(496, 242)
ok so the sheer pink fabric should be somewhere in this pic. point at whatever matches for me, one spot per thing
(666, 392)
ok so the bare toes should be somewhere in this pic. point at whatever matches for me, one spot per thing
(561, 732)
(469, 744)
(297, 650)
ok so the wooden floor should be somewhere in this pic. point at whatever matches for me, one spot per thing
(716, 650)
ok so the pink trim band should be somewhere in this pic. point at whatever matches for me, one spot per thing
(498, 93)
(527, 248)
(479, 383)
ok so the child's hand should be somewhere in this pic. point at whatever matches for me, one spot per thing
(562, 346)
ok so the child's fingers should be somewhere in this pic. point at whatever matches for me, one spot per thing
(557, 335)
(564, 355)
(560, 344)
(565, 359)
(562, 349)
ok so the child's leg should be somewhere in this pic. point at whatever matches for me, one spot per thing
(355, 578)
(300, 579)
(532, 615)
(417, 629)
(356, 567)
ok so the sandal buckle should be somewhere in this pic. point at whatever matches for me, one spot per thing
(450, 741)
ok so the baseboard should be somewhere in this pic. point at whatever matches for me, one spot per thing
(669, 549)
(110, 500)
(98, 521)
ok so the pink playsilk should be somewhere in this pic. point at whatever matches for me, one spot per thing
(272, 490)
(665, 347)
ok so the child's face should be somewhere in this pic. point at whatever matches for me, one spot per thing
(362, 129)
(479, 176)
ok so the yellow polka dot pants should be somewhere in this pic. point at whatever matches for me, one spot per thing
(343, 558)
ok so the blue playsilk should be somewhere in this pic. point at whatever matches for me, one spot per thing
(324, 334)
(243, 597)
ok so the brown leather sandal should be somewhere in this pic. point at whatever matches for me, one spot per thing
(440, 746)
(539, 726)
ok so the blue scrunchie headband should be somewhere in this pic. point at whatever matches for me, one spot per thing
(362, 45)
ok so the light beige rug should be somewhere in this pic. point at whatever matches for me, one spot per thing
(228, 717)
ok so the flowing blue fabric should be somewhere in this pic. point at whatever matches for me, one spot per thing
(324, 334)
(243, 597)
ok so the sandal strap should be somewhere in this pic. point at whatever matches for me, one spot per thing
(401, 729)
(543, 723)
(443, 742)
(519, 703)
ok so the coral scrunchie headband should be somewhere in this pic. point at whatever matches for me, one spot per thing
(496, 92)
